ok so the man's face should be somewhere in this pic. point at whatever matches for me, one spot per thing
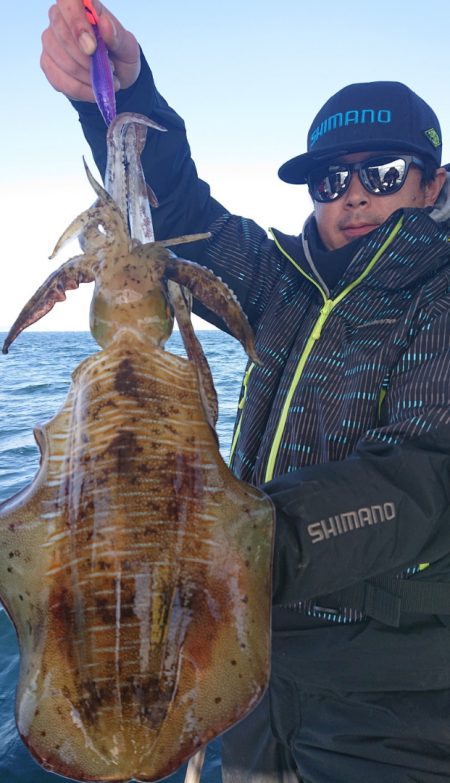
(357, 212)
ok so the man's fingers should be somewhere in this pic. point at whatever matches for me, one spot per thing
(69, 41)
(65, 83)
(122, 45)
(76, 68)
(65, 66)
(117, 39)
(67, 37)
(73, 25)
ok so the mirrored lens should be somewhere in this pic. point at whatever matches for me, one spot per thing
(329, 183)
(383, 176)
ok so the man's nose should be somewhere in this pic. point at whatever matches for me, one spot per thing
(356, 195)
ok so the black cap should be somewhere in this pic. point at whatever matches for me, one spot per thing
(369, 116)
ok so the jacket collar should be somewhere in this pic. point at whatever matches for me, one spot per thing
(419, 249)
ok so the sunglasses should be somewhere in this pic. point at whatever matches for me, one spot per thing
(380, 176)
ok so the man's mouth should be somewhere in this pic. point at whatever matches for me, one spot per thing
(354, 230)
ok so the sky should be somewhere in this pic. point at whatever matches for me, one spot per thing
(248, 78)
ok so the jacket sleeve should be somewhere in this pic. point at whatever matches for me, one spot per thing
(386, 507)
(239, 251)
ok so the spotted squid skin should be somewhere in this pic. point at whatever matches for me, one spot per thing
(136, 567)
(146, 628)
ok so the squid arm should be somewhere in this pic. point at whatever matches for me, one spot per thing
(212, 292)
(180, 301)
(103, 213)
(68, 277)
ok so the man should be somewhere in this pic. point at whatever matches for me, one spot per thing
(346, 424)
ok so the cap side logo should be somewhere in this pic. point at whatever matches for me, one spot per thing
(433, 136)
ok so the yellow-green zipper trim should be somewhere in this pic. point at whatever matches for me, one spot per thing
(240, 407)
(381, 397)
(328, 306)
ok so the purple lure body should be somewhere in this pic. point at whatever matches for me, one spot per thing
(102, 79)
(101, 71)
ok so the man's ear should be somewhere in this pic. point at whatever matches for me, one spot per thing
(432, 189)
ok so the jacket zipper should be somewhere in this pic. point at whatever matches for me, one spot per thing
(326, 309)
(328, 306)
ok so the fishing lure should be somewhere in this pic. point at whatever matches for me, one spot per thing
(101, 71)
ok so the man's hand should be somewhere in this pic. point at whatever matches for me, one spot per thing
(69, 40)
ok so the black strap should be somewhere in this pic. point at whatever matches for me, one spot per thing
(385, 598)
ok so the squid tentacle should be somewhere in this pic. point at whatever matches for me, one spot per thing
(121, 146)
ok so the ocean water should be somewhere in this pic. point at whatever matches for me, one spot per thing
(34, 379)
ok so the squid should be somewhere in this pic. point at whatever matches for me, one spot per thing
(136, 567)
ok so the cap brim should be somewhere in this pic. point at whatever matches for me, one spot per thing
(296, 170)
